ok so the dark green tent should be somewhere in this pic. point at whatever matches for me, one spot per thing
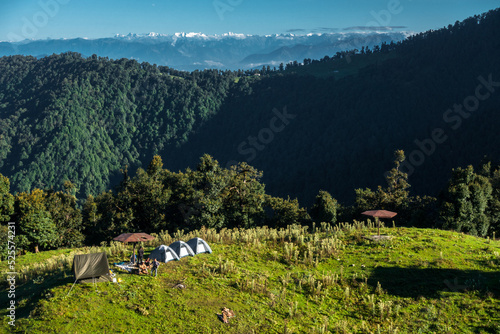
(90, 268)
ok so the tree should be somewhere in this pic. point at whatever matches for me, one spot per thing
(244, 196)
(464, 203)
(394, 197)
(36, 228)
(324, 208)
(66, 216)
(6, 199)
(396, 193)
(286, 212)
(149, 197)
(493, 210)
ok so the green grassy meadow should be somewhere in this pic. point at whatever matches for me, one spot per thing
(325, 279)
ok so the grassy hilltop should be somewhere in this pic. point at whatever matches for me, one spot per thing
(328, 279)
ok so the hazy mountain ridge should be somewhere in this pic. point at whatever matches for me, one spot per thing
(190, 51)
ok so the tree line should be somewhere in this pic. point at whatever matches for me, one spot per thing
(212, 196)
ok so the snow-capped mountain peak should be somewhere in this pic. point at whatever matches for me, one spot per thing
(196, 50)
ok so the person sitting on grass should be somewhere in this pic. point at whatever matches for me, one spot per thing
(156, 264)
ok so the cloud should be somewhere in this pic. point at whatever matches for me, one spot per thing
(325, 29)
(314, 31)
(374, 28)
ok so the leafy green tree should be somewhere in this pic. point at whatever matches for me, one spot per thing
(66, 216)
(6, 199)
(4, 242)
(396, 194)
(216, 197)
(244, 196)
(367, 199)
(36, 228)
(104, 217)
(149, 197)
(286, 212)
(464, 203)
(394, 197)
(324, 208)
(493, 209)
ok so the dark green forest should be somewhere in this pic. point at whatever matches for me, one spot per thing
(91, 147)
(346, 128)
(65, 117)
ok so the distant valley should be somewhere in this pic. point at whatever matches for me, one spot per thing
(195, 51)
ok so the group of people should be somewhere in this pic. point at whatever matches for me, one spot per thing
(145, 265)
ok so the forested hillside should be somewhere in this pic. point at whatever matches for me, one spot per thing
(436, 96)
(66, 117)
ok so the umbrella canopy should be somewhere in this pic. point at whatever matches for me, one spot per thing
(379, 213)
(133, 237)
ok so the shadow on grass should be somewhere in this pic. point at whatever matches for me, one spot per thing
(430, 282)
(28, 295)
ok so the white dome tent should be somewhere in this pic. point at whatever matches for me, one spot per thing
(199, 246)
(163, 254)
(182, 249)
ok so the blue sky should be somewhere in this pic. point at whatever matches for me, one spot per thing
(40, 19)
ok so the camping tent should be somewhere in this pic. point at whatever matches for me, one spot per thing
(199, 245)
(89, 268)
(182, 249)
(163, 254)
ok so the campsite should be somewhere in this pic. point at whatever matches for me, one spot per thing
(288, 280)
(311, 171)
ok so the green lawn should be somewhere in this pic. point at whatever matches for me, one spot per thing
(288, 281)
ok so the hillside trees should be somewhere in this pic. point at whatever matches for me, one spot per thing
(66, 116)
(394, 197)
(493, 209)
(158, 199)
(470, 203)
(324, 208)
(412, 210)
(244, 196)
(286, 212)
(48, 219)
(6, 199)
(36, 228)
(66, 216)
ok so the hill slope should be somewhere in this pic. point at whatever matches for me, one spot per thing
(331, 280)
(83, 119)
(435, 96)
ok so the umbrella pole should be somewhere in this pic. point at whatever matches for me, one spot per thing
(133, 253)
(378, 225)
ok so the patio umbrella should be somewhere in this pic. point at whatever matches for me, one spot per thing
(379, 214)
(133, 237)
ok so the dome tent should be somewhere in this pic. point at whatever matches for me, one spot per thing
(182, 249)
(199, 246)
(163, 254)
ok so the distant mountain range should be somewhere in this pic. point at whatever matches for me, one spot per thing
(191, 51)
